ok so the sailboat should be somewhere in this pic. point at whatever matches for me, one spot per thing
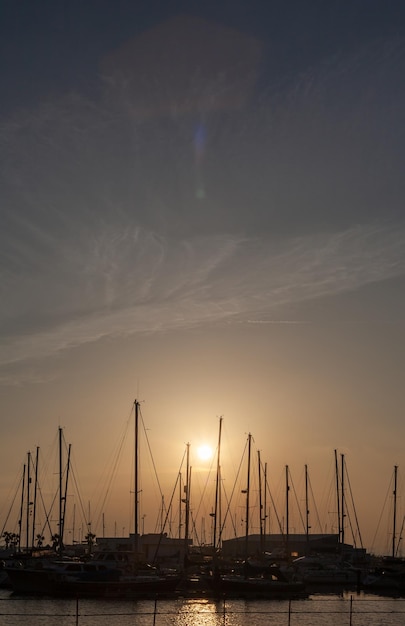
(389, 573)
(101, 575)
(137, 579)
(336, 569)
(48, 571)
(270, 581)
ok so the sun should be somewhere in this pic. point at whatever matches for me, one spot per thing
(204, 452)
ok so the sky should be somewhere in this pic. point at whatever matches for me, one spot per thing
(202, 208)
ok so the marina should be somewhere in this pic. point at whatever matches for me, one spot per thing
(202, 226)
(202, 209)
(145, 566)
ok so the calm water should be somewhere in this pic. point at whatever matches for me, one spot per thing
(316, 610)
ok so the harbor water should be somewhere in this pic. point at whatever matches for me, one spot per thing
(321, 609)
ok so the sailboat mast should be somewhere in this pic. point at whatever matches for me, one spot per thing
(161, 517)
(260, 504)
(136, 477)
(180, 507)
(306, 507)
(247, 498)
(217, 487)
(20, 522)
(394, 526)
(74, 524)
(35, 497)
(287, 512)
(27, 530)
(265, 506)
(60, 493)
(187, 501)
(62, 532)
(343, 515)
(337, 495)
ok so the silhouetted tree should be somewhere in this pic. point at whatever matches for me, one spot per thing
(91, 539)
(10, 539)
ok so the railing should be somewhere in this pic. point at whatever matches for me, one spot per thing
(292, 613)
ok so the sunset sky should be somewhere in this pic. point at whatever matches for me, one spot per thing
(202, 207)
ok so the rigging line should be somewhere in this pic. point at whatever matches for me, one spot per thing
(381, 514)
(194, 529)
(115, 462)
(170, 503)
(17, 491)
(47, 522)
(76, 484)
(79, 497)
(45, 471)
(297, 501)
(205, 486)
(169, 508)
(67, 471)
(221, 530)
(229, 502)
(280, 525)
(400, 536)
(354, 510)
(48, 515)
(347, 514)
(72, 465)
(44, 466)
(314, 502)
(150, 453)
(47, 463)
(75, 480)
(329, 492)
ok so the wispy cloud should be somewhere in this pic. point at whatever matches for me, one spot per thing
(206, 281)
(102, 233)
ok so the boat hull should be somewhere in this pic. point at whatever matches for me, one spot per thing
(239, 586)
(36, 582)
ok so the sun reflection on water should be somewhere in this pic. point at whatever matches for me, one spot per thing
(201, 613)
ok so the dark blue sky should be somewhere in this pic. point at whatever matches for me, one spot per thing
(50, 46)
